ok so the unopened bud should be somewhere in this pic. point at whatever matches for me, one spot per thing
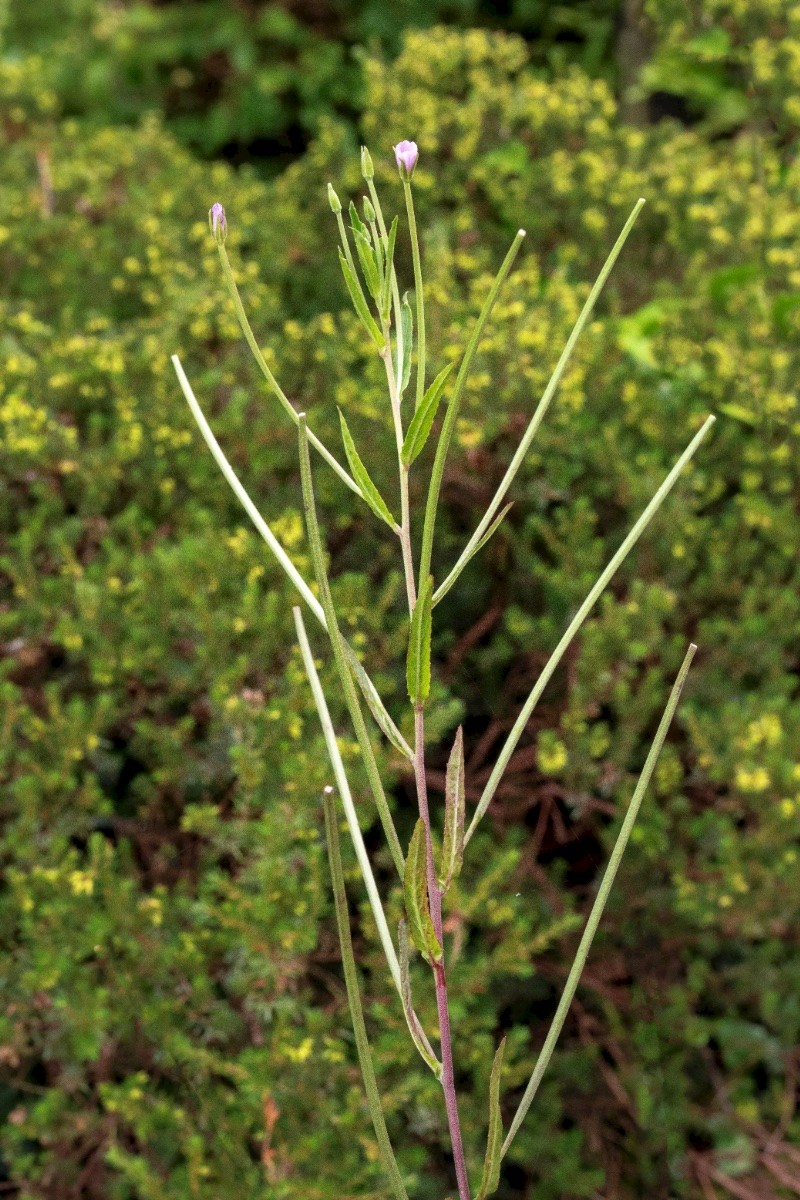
(333, 200)
(218, 223)
(367, 169)
(369, 211)
(406, 155)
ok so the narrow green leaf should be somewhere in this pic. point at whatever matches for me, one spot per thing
(454, 815)
(354, 998)
(412, 1020)
(356, 224)
(448, 424)
(369, 265)
(377, 243)
(580, 616)
(351, 697)
(386, 293)
(606, 883)
(422, 421)
(418, 664)
(361, 476)
(376, 705)
(343, 785)
(491, 1164)
(359, 302)
(415, 886)
(533, 424)
(407, 323)
(454, 574)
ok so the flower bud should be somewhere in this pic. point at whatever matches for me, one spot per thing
(367, 169)
(218, 223)
(369, 211)
(406, 155)
(333, 200)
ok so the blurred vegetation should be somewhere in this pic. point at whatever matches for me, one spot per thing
(252, 79)
(172, 1018)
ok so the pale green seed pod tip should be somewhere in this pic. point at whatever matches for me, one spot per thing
(333, 200)
(367, 169)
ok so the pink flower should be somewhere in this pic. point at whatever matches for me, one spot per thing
(218, 223)
(406, 155)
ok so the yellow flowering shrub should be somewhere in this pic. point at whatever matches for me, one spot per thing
(172, 1021)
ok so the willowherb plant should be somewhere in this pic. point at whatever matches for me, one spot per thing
(367, 254)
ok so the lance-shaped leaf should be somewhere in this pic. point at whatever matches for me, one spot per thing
(407, 324)
(422, 421)
(386, 290)
(453, 576)
(415, 887)
(454, 813)
(418, 663)
(369, 264)
(376, 705)
(359, 302)
(491, 1164)
(414, 1026)
(368, 490)
(356, 224)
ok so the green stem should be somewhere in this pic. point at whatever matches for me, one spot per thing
(412, 228)
(339, 654)
(599, 904)
(452, 409)
(542, 407)
(354, 999)
(576, 622)
(267, 373)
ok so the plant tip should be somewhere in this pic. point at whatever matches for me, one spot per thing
(367, 169)
(406, 155)
(218, 223)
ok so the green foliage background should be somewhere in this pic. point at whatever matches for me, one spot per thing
(172, 1016)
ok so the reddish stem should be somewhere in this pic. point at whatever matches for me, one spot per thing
(435, 900)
